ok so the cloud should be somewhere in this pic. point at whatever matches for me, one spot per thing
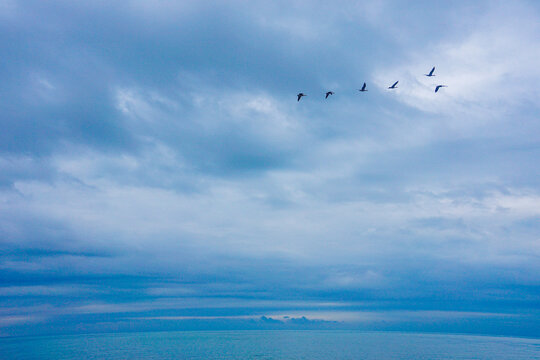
(489, 69)
(154, 159)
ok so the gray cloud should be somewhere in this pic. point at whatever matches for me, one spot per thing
(154, 155)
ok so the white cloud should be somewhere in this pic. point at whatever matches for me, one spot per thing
(238, 217)
(489, 71)
(357, 192)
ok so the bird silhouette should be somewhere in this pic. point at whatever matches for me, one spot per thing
(439, 86)
(363, 88)
(300, 96)
(394, 86)
(431, 72)
(328, 93)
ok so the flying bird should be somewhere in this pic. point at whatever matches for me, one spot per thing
(363, 88)
(431, 72)
(328, 93)
(439, 86)
(394, 86)
(300, 96)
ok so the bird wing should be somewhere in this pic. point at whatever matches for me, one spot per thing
(432, 70)
(299, 96)
(326, 97)
(437, 88)
(395, 83)
(364, 86)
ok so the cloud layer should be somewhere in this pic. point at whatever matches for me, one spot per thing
(155, 164)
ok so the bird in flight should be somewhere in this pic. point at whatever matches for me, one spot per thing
(328, 93)
(300, 96)
(431, 72)
(439, 86)
(363, 88)
(394, 86)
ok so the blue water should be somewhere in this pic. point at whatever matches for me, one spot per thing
(313, 345)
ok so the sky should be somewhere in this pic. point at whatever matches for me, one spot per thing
(158, 173)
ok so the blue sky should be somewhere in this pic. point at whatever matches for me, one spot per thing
(157, 172)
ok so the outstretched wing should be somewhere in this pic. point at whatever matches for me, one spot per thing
(300, 96)
(364, 87)
(431, 72)
(395, 84)
(437, 88)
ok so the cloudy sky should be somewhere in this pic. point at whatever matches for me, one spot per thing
(157, 172)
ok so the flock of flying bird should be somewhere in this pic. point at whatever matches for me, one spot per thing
(394, 86)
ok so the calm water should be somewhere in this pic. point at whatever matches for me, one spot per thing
(311, 345)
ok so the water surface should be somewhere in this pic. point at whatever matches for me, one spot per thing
(313, 345)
